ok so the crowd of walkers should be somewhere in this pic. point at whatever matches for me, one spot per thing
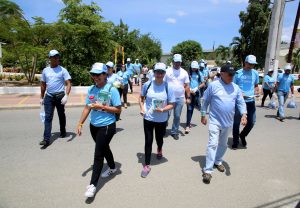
(226, 97)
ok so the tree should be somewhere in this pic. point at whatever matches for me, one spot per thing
(223, 54)
(296, 60)
(254, 30)
(238, 45)
(190, 51)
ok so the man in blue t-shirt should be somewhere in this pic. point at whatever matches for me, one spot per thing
(137, 66)
(247, 79)
(130, 70)
(285, 83)
(53, 94)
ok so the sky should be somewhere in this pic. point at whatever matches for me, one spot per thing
(209, 22)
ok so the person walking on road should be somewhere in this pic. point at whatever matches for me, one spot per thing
(222, 96)
(178, 79)
(103, 102)
(55, 89)
(247, 79)
(124, 76)
(130, 70)
(137, 70)
(196, 84)
(111, 76)
(268, 88)
(156, 99)
(285, 83)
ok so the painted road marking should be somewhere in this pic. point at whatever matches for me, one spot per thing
(23, 100)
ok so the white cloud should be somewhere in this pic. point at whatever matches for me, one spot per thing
(181, 13)
(171, 20)
(287, 33)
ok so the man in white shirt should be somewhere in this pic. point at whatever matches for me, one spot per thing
(178, 79)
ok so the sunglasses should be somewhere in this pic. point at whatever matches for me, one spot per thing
(159, 72)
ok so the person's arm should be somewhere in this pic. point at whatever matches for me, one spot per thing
(242, 107)
(188, 92)
(292, 89)
(84, 115)
(141, 104)
(206, 102)
(109, 109)
(256, 89)
(43, 89)
(68, 86)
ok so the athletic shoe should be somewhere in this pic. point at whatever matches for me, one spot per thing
(146, 170)
(206, 178)
(90, 191)
(243, 140)
(234, 146)
(220, 167)
(44, 143)
(187, 130)
(159, 154)
(63, 134)
(175, 136)
(108, 172)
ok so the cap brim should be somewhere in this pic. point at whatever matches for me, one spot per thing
(95, 71)
(177, 60)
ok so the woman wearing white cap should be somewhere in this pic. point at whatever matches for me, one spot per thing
(103, 101)
(268, 87)
(156, 99)
(124, 76)
(196, 83)
(111, 76)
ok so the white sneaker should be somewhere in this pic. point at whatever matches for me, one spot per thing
(108, 172)
(90, 191)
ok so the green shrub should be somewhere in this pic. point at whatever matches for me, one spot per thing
(18, 77)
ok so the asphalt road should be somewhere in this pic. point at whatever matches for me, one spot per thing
(267, 174)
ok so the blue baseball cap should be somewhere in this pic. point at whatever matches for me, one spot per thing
(98, 68)
(251, 59)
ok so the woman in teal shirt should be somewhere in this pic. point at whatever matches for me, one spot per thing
(125, 79)
(103, 101)
(268, 87)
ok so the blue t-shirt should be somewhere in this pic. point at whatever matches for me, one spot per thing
(194, 80)
(246, 80)
(285, 82)
(112, 78)
(137, 68)
(100, 118)
(270, 80)
(157, 95)
(222, 99)
(129, 68)
(125, 77)
(203, 73)
(55, 79)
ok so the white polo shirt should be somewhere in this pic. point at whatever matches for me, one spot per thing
(176, 79)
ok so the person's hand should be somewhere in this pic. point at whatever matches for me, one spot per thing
(244, 120)
(256, 91)
(188, 100)
(160, 110)
(79, 127)
(64, 100)
(41, 101)
(142, 112)
(203, 120)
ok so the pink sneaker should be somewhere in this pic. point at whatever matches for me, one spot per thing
(146, 170)
(159, 154)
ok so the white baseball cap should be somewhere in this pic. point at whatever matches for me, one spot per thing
(202, 64)
(53, 53)
(251, 59)
(177, 58)
(194, 65)
(110, 64)
(288, 67)
(160, 66)
(270, 70)
(98, 68)
(128, 59)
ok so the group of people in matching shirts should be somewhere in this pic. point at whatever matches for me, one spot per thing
(229, 101)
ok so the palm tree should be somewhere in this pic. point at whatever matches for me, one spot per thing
(239, 46)
(223, 52)
(10, 9)
(296, 60)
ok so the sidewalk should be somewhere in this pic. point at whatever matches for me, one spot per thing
(25, 101)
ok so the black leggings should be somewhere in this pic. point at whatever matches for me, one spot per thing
(102, 137)
(124, 92)
(160, 129)
(266, 93)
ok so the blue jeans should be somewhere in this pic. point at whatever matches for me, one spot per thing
(216, 147)
(177, 112)
(282, 97)
(251, 119)
(50, 103)
(195, 102)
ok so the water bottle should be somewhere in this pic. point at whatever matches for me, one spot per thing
(42, 114)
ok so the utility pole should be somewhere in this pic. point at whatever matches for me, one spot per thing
(271, 61)
(289, 59)
(1, 67)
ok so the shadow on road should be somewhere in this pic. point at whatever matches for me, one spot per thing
(201, 160)
(154, 160)
(183, 125)
(282, 202)
(287, 117)
(103, 181)
(230, 142)
(56, 135)
(119, 130)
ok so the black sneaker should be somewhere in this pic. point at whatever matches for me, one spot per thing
(234, 146)
(63, 135)
(44, 143)
(175, 136)
(206, 178)
(281, 119)
(243, 140)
